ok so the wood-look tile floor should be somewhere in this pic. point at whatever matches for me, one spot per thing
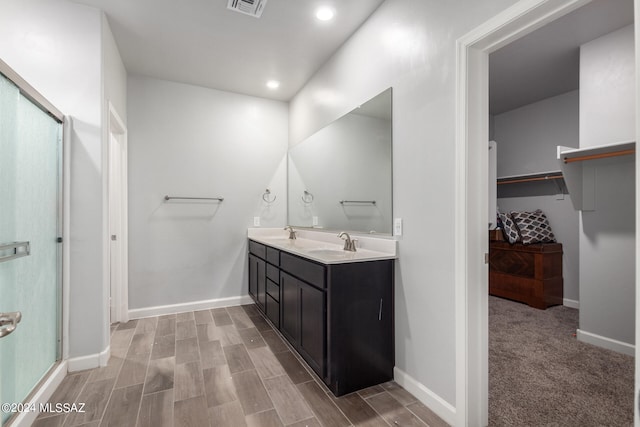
(220, 367)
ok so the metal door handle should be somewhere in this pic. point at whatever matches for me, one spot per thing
(16, 250)
(9, 322)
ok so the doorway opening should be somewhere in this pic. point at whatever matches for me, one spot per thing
(471, 189)
(118, 237)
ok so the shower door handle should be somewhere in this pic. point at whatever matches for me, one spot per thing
(14, 249)
(9, 322)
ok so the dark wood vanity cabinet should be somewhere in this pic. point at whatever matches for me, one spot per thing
(339, 317)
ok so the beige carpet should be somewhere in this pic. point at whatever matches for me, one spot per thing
(540, 375)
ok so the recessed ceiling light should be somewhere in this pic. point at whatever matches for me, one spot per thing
(325, 13)
(273, 84)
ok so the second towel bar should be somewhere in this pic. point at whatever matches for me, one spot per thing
(193, 198)
(367, 202)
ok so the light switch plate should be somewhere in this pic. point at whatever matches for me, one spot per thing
(256, 221)
(397, 227)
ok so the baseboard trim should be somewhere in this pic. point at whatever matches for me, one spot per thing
(608, 343)
(41, 396)
(430, 399)
(89, 362)
(104, 356)
(571, 303)
(139, 313)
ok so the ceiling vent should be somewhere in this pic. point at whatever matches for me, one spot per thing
(248, 7)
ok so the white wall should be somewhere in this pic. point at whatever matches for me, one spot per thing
(56, 46)
(114, 75)
(607, 87)
(347, 160)
(190, 141)
(527, 138)
(410, 46)
(607, 239)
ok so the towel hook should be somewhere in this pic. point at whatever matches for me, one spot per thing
(307, 198)
(266, 195)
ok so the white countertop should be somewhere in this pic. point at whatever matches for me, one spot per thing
(325, 247)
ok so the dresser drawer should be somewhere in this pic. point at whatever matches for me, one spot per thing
(273, 273)
(273, 289)
(273, 256)
(308, 271)
(257, 249)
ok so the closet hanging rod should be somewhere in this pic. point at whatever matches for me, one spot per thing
(539, 178)
(193, 198)
(599, 156)
(368, 202)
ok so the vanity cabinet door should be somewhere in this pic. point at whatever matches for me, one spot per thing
(261, 288)
(257, 280)
(290, 307)
(253, 276)
(303, 319)
(312, 327)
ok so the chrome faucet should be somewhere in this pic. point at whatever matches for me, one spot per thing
(292, 233)
(349, 243)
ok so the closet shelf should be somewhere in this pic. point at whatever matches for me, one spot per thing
(529, 177)
(571, 155)
(579, 173)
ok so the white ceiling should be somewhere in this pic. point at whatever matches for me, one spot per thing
(546, 63)
(201, 42)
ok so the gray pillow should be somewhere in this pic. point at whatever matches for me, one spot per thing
(534, 227)
(509, 228)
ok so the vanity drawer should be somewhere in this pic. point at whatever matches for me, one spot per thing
(308, 271)
(273, 311)
(273, 256)
(273, 289)
(257, 249)
(273, 273)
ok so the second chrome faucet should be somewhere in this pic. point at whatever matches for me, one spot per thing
(349, 243)
(292, 232)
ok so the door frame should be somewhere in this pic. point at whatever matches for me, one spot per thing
(471, 194)
(119, 288)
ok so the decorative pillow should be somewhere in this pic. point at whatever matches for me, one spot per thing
(509, 228)
(534, 227)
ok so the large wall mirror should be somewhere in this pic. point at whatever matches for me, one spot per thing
(340, 177)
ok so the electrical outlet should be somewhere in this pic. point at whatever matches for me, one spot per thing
(256, 221)
(315, 220)
(397, 227)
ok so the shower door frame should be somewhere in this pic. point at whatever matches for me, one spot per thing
(44, 389)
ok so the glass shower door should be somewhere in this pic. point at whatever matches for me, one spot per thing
(30, 260)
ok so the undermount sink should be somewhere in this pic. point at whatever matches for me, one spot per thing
(326, 252)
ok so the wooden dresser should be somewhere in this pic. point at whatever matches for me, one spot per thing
(528, 273)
